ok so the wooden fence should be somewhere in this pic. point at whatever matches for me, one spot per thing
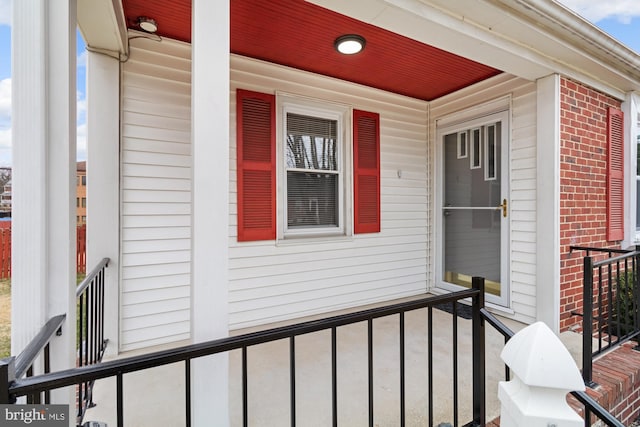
(5, 251)
(81, 249)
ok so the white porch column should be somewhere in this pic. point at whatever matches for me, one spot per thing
(210, 224)
(44, 174)
(548, 203)
(631, 109)
(103, 192)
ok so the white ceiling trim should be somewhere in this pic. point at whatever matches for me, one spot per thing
(493, 34)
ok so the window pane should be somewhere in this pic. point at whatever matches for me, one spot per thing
(312, 200)
(490, 153)
(311, 143)
(462, 145)
(475, 148)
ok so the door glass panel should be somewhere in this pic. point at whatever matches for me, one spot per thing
(472, 220)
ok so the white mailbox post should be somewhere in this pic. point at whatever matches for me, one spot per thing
(543, 373)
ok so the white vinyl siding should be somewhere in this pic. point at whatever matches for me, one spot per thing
(272, 281)
(522, 175)
(523, 203)
(156, 194)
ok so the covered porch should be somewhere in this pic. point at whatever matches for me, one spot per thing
(163, 162)
(393, 364)
(156, 394)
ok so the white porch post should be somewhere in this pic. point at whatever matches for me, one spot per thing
(548, 206)
(543, 373)
(44, 174)
(210, 224)
(103, 202)
(631, 109)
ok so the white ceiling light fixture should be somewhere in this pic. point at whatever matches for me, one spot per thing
(147, 24)
(350, 44)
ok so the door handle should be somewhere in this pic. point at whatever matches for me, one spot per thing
(503, 206)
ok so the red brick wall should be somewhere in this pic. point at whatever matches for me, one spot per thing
(618, 377)
(583, 197)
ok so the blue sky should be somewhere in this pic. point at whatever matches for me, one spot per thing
(619, 18)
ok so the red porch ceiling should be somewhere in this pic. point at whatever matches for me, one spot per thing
(301, 35)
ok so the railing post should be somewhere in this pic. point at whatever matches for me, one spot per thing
(7, 376)
(587, 321)
(543, 373)
(478, 354)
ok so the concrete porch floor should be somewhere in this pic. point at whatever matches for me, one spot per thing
(156, 396)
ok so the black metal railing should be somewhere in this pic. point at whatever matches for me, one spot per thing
(591, 406)
(119, 368)
(611, 302)
(24, 365)
(12, 387)
(91, 342)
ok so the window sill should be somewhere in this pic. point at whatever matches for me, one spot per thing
(312, 239)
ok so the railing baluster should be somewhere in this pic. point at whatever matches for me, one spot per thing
(402, 382)
(80, 339)
(92, 319)
(334, 376)
(84, 353)
(119, 400)
(634, 292)
(47, 369)
(610, 305)
(587, 328)
(600, 311)
(245, 411)
(102, 300)
(94, 323)
(292, 378)
(455, 362)
(187, 391)
(370, 364)
(430, 362)
(478, 354)
(615, 285)
(627, 316)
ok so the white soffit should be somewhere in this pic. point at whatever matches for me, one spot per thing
(102, 24)
(511, 40)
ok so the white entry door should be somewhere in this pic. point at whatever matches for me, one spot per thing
(473, 206)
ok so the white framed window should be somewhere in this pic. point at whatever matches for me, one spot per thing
(314, 153)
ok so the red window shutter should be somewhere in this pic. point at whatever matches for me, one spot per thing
(366, 176)
(615, 175)
(256, 160)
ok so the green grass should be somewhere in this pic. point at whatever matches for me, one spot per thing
(5, 318)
